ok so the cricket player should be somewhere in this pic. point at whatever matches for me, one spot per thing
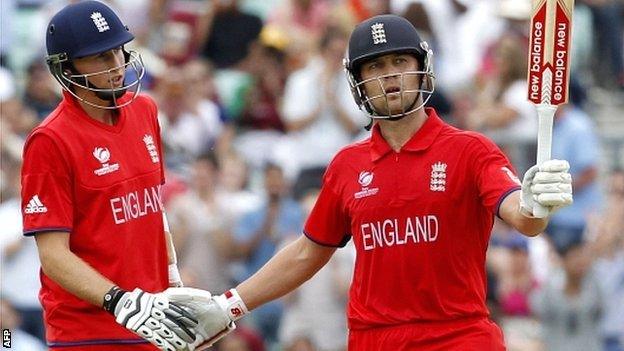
(91, 196)
(418, 198)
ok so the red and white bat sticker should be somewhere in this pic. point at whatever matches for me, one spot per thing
(549, 52)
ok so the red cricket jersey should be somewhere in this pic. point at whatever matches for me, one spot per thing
(102, 184)
(420, 220)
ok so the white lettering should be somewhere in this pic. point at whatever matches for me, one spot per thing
(390, 233)
(147, 200)
(133, 200)
(536, 49)
(421, 230)
(366, 235)
(132, 206)
(432, 220)
(116, 210)
(409, 230)
(398, 237)
(377, 241)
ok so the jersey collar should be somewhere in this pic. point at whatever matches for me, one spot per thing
(72, 103)
(421, 140)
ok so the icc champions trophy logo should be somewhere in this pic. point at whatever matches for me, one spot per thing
(103, 155)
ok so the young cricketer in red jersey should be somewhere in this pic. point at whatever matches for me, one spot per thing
(91, 185)
(418, 198)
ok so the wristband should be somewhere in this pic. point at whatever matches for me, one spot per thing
(174, 276)
(111, 298)
(232, 303)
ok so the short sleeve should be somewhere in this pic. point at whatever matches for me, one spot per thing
(495, 177)
(47, 201)
(328, 223)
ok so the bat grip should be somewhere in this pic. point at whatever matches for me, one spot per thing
(545, 116)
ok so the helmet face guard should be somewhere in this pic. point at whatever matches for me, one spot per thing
(133, 67)
(384, 35)
(422, 94)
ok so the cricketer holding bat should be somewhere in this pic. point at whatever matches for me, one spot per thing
(91, 196)
(418, 198)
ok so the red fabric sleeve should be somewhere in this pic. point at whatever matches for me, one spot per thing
(495, 176)
(328, 223)
(47, 201)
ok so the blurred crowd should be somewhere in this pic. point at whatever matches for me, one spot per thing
(253, 103)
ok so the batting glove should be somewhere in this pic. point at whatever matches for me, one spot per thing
(549, 184)
(215, 314)
(153, 317)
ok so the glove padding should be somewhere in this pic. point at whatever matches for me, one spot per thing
(157, 320)
(214, 322)
(549, 184)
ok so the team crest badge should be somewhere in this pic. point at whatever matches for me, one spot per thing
(438, 177)
(151, 148)
(378, 33)
(100, 22)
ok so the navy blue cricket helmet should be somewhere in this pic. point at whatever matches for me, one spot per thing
(382, 35)
(84, 29)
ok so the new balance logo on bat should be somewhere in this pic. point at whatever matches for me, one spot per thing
(35, 206)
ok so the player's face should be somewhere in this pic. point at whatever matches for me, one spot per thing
(107, 68)
(391, 91)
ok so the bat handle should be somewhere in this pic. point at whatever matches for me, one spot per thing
(545, 116)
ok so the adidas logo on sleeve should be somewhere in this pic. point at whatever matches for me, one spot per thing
(35, 206)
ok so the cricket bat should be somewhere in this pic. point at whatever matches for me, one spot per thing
(549, 69)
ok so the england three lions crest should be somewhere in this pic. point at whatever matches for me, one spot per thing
(438, 177)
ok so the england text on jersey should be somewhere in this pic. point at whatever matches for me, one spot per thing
(136, 204)
(399, 231)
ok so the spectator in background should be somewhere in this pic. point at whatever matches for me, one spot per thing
(517, 282)
(19, 258)
(258, 234)
(190, 125)
(229, 33)
(41, 93)
(260, 124)
(575, 140)
(183, 27)
(234, 186)
(20, 340)
(316, 310)
(305, 20)
(502, 110)
(570, 302)
(608, 25)
(610, 263)
(242, 339)
(318, 105)
(201, 223)
(202, 92)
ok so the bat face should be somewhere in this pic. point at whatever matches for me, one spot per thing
(549, 51)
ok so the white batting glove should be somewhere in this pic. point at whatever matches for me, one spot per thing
(549, 184)
(215, 314)
(153, 317)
